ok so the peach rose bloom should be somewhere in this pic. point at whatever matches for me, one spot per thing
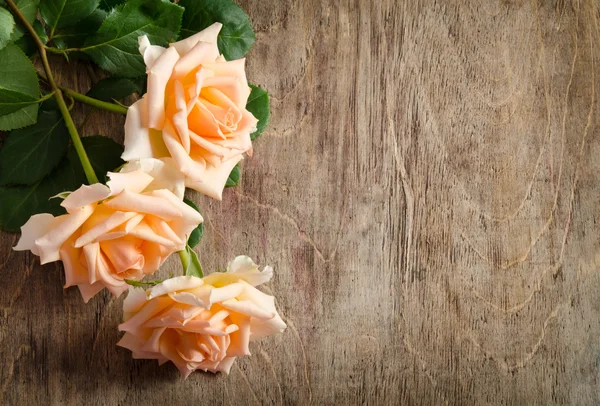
(194, 111)
(124, 230)
(201, 323)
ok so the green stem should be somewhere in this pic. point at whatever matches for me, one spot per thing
(85, 162)
(185, 259)
(115, 108)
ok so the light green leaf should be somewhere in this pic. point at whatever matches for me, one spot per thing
(143, 284)
(19, 87)
(110, 89)
(236, 36)
(234, 177)
(63, 13)
(29, 10)
(17, 204)
(115, 46)
(198, 232)
(33, 152)
(258, 105)
(7, 26)
(190, 262)
(74, 36)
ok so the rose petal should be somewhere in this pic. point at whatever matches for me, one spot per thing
(134, 181)
(140, 141)
(85, 195)
(164, 171)
(36, 226)
(214, 178)
(209, 34)
(175, 284)
(158, 77)
(127, 201)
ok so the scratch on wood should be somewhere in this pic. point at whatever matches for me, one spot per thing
(292, 327)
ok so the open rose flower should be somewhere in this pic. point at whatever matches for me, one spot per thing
(194, 111)
(201, 323)
(124, 230)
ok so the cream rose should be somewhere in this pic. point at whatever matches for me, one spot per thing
(124, 230)
(194, 111)
(201, 323)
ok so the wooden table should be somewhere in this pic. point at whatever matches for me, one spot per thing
(428, 195)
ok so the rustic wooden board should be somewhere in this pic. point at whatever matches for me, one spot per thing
(428, 194)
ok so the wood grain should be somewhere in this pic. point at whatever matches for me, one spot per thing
(428, 194)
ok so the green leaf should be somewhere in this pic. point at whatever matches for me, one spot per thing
(29, 9)
(27, 44)
(74, 36)
(115, 46)
(141, 284)
(110, 89)
(198, 232)
(236, 36)
(190, 262)
(19, 87)
(7, 26)
(33, 152)
(108, 5)
(234, 177)
(19, 119)
(104, 154)
(63, 13)
(17, 203)
(258, 105)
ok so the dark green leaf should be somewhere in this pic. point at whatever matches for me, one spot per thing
(198, 232)
(258, 105)
(110, 89)
(115, 46)
(234, 177)
(236, 36)
(74, 36)
(17, 204)
(63, 13)
(19, 119)
(19, 87)
(142, 284)
(190, 263)
(108, 5)
(104, 154)
(7, 26)
(29, 10)
(33, 152)
(27, 44)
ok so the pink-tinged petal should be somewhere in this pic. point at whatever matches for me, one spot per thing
(134, 181)
(189, 219)
(209, 34)
(136, 298)
(248, 308)
(263, 328)
(123, 254)
(151, 308)
(214, 178)
(76, 272)
(241, 268)
(239, 339)
(158, 77)
(145, 233)
(153, 343)
(89, 291)
(233, 87)
(235, 68)
(202, 52)
(164, 171)
(115, 220)
(162, 228)
(127, 201)
(149, 52)
(210, 146)
(134, 344)
(85, 195)
(36, 226)
(140, 141)
(188, 298)
(225, 365)
(174, 285)
(49, 244)
(180, 116)
(186, 164)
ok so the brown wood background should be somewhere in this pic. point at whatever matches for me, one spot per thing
(428, 193)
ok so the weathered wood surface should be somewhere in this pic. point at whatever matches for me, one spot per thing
(428, 194)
